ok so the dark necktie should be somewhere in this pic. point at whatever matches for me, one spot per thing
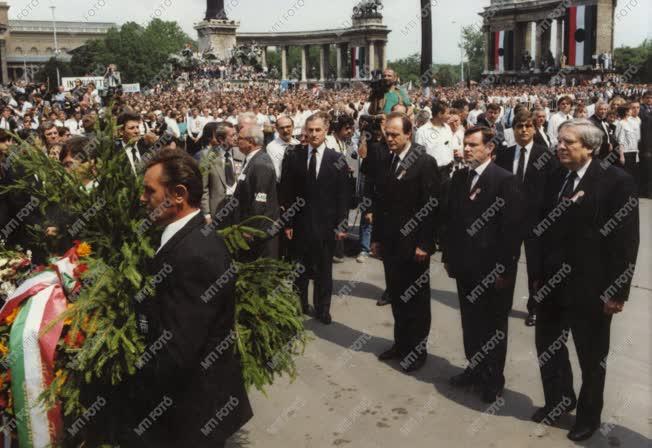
(520, 171)
(395, 163)
(229, 172)
(569, 187)
(469, 181)
(134, 155)
(312, 166)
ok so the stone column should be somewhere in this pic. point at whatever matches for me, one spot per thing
(538, 43)
(383, 56)
(605, 31)
(304, 63)
(284, 62)
(528, 38)
(559, 42)
(264, 57)
(323, 49)
(371, 57)
(338, 58)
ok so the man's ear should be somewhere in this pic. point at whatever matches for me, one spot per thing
(179, 194)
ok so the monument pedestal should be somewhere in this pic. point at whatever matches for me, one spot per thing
(218, 36)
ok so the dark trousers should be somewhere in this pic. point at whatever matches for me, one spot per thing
(531, 254)
(485, 312)
(408, 284)
(591, 330)
(632, 166)
(317, 258)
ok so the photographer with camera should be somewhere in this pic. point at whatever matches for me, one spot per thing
(386, 93)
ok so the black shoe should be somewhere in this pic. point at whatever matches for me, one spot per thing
(464, 379)
(308, 310)
(581, 432)
(392, 353)
(531, 320)
(491, 393)
(414, 366)
(544, 414)
(384, 300)
(325, 318)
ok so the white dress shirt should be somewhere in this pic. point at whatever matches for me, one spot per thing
(172, 228)
(629, 134)
(544, 136)
(553, 127)
(437, 141)
(580, 174)
(479, 170)
(130, 156)
(517, 156)
(248, 158)
(402, 155)
(276, 150)
(320, 156)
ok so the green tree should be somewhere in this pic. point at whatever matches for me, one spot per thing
(474, 49)
(48, 73)
(140, 53)
(635, 62)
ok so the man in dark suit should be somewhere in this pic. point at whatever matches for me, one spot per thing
(203, 396)
(129, 124)
(404, 234)
(484, 231)
(316, 177)
(590, 238)
(490, 119)
(540, 125)
(217, 168)
(599, 119)
(256, 193)
(533, 166)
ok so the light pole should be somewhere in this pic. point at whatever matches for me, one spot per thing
(56, 45)
(461, 53)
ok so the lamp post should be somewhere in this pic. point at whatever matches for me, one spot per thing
(56, 45)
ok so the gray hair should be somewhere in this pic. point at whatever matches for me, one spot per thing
(423, 116)
(255, 134)
(248, 117)
(587, 132)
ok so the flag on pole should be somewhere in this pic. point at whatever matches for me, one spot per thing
(503, 50)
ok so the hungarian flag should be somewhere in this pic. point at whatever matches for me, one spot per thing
(503, 50)
(580, 39)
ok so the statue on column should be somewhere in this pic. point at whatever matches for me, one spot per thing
(215, 10)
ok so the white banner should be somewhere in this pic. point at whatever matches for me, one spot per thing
(69, 83)
(131, 88)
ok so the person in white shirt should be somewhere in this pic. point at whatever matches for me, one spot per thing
(474, 114)
(173, 126)
(628, 135)
(74, 124)
(436, 136)
(277, 147)
(564, 105)
(457, 143)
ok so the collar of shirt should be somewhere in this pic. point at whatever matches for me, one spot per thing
(582, 171)
(480, 169)
(403, 153)
(279, 141)
(250, 156)
(320, 151)
(173, 228)
(517, 156)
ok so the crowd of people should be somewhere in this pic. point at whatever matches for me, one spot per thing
(474, 173)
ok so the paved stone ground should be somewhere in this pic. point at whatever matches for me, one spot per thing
(347, 398)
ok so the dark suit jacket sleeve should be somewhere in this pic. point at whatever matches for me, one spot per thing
(429, 197)
(512, 225)
(623, 241)
(342, 192)
(188, 310)
(264, 201)
(287, 182)
(204, 168)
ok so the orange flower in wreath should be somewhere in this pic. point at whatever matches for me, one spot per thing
(11, 317)
(4, 350)
(84, 249)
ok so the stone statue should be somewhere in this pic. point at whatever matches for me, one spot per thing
(368, 9)
(215, 10)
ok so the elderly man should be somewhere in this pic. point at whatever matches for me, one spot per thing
(316, 176)
(277, 147)
(588, 260)
(599, 119)
(256, 193)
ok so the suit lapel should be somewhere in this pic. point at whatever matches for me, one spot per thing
(221, 165)
(179, 236)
